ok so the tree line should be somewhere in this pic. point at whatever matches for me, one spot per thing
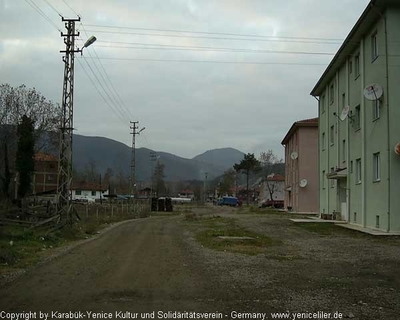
(29, 124)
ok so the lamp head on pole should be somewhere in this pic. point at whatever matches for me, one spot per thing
(88, 42)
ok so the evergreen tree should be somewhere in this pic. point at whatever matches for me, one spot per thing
(25, 151)
(247, 165)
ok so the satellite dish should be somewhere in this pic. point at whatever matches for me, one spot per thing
(345, 113)
(373, 92)
(397, 149)
(303, 183)
(294, 155)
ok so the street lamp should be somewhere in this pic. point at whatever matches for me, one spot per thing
(88, 42)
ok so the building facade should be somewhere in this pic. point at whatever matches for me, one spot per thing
(358, 168)
(44, 177)
(273, 184)
(301, 166)
(88, 191)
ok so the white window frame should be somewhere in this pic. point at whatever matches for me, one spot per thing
(374, 46)
(344, 150)
(358, 118)
(376, 165)
(376, 112)
(357, 66)
(332, 93)
(358, 171)
(323, 140)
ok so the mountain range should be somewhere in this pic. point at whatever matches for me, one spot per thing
(107, 153)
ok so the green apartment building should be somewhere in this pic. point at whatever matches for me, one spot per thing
(359, 124)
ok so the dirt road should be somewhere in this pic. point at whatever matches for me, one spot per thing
(157, 264)
(139, 266)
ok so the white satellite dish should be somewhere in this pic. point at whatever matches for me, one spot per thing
(294, 155)
(397, 149)
(373, 92)
(345, 113)
(303, 183)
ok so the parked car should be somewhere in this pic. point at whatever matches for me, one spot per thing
(271, 204)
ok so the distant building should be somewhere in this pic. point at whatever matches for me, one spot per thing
(301, 166)
(186, 194)
(88, 191)
(44, 178)
(359, 123)
(275, 184)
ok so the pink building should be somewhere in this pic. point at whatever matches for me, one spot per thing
(301, 166)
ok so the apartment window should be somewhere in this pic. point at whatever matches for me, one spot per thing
(376, 164)
(332, 180)
(357, 65)
(344, 151)
(78, 192)
(93, 193)
(358, 171)
(374, 46)
(332, 135)
(331, 93)
(322, 104)
(343, 100)
(357, 119)
(323, 140)
(323, 179)
(350, 66)
(376, 109)
(351, 166)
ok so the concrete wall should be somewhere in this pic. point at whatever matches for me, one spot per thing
(393, 26)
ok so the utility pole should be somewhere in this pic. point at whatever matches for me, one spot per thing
(153, 158)
(64, 195)
(64, 179)
(134, 127)
(205, 185)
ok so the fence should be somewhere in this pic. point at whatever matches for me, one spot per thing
(32, 216)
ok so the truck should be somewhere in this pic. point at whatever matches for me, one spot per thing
(228, 201)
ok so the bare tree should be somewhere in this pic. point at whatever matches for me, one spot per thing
(45, 115)
(269, 166)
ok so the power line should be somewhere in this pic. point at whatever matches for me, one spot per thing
(52, 7)
(99, 92)
(201, 37)
(214, 61)
(111, 97)
(66, 3)
(216, 33)
(109, 79)
(215, 49)
(38, 10)
(126, 110)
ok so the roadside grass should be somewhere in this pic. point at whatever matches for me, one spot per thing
(208, 231)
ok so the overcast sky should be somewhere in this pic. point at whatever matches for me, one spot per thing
(222, 88)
